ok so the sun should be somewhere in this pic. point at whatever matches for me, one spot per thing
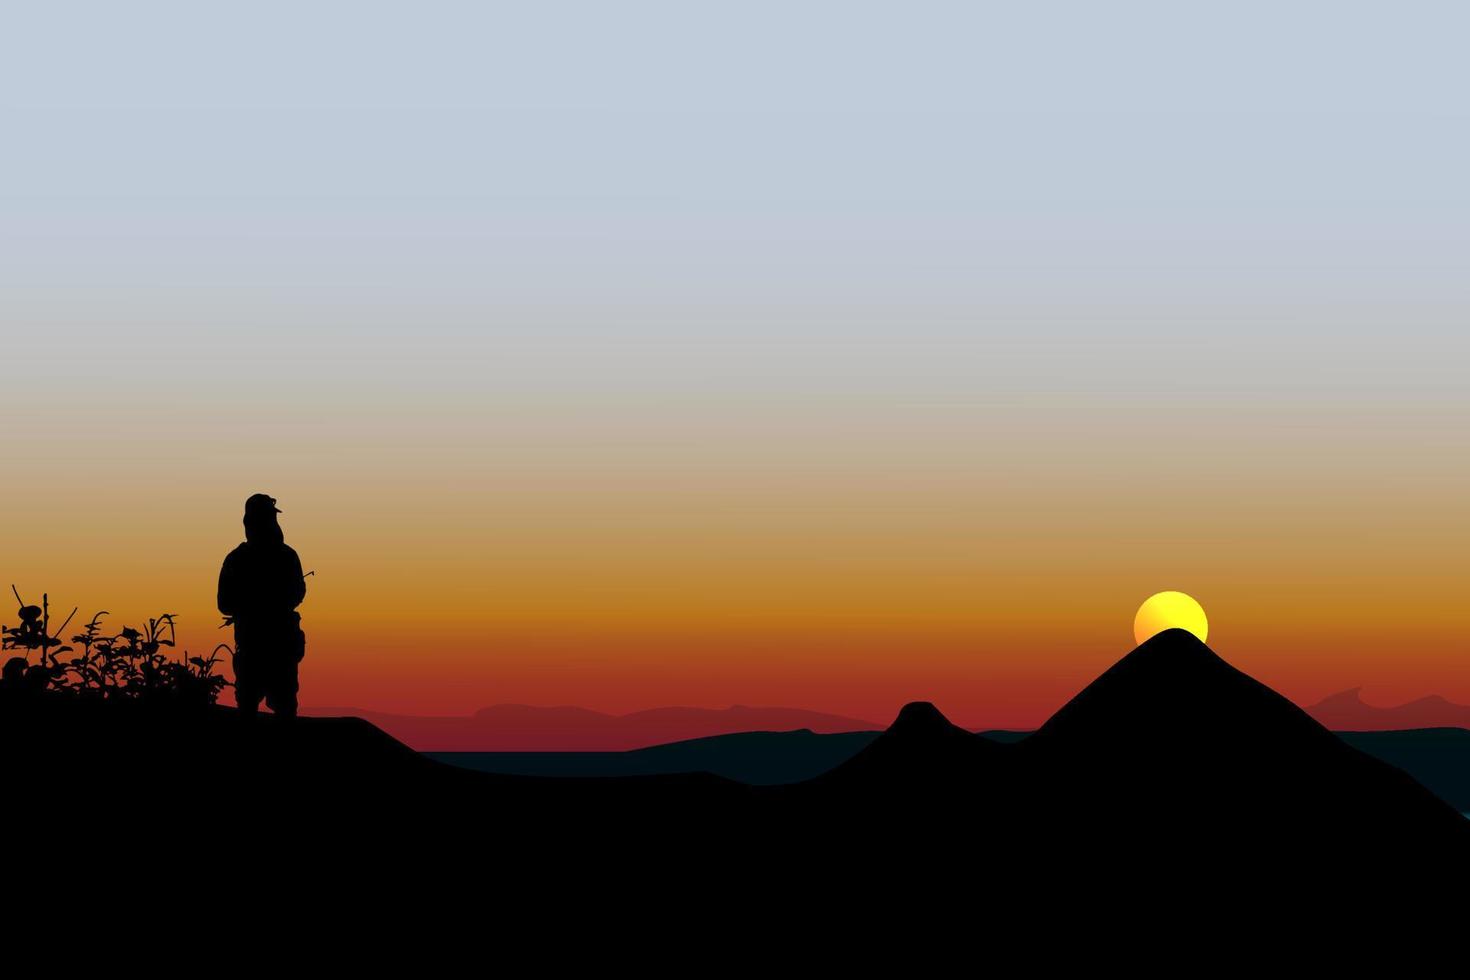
(1170, 610)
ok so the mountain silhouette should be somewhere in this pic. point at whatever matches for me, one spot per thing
(526, 728)
(1172, 740)
(922, 753)
(1347, 712)
(1170, 751)
(1172, 682)
(1171, 766)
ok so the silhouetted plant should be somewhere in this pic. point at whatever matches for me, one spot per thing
(195, 679)
(91, 669)
(34, 633)
(131, 665)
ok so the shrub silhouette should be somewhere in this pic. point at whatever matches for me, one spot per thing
(129, 665)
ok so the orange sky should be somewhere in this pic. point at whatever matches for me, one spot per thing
(811, 588)
(686, 360)
(815, 543)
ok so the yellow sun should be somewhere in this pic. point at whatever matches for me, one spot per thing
(1170, 610)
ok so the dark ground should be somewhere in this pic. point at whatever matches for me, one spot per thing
(1238, 797)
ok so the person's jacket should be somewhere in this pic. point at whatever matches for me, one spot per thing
(261, 582)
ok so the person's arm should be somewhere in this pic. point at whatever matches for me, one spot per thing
(227, 596)
(298, 588)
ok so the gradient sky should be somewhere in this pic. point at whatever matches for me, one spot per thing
(823, 354)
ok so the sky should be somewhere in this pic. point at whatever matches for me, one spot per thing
(832, 355)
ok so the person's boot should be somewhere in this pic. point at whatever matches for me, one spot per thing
(281, 706)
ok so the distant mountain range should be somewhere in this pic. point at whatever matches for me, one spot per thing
(1439, 758)
(1347, 712)
(528, 728)
(524, 728)
(756, 758)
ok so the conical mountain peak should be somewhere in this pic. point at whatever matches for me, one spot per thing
(1170, 685)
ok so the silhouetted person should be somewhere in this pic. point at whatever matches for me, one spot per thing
(260, 586)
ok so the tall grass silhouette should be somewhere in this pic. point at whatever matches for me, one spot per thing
(132, 664)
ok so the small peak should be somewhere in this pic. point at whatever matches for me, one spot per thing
(920, 716)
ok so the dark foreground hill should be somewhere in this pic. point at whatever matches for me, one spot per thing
(1238, 790)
